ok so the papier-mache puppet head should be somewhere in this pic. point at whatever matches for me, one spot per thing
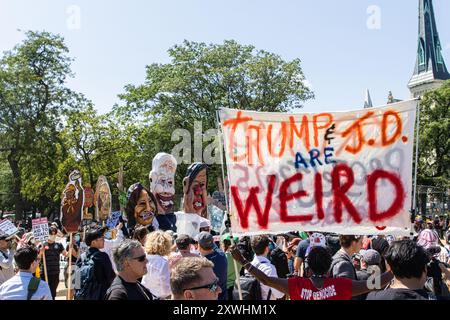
(194, 189)
(141, 206)
(162, 181)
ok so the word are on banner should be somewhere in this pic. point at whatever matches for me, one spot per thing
(343, 172)
(40, 229)
(8, 228)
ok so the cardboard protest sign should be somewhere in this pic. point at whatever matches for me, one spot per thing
(72, 201)
(343, 172)
(113, 219)
(88, 196)
(8, 228)
(40, 229)
(216, 217)
(102, 199)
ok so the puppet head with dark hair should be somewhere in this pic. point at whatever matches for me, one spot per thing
(195, 184)
(141, 206)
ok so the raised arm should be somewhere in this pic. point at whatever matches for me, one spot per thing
(361, 287)
(277, 283)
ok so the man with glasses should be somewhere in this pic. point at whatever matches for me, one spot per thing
(6, 259)
(193, 278)
(23, 286)
(131, 263)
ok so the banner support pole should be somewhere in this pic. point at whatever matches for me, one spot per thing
(220, 134)
(69, 270)
(416, 165)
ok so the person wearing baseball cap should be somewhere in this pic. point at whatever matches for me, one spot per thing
(369, 258)
(6, 259)
(315, 240)
(103, 269)
(183, 243)
(210, 251)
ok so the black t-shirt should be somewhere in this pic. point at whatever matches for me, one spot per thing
(122, 290)
(52, 255)
(399, 294)
(167, 221)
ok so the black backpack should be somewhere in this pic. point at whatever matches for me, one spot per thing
(86, 285)
(250, 287)
(279, 260)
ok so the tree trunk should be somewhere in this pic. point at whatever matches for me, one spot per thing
(17, 181)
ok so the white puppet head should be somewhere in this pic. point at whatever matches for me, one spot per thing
(162, 180)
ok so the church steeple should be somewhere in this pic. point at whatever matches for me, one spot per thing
(368, 100)
(430, 70)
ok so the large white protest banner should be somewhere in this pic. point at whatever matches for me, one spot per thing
(344, 172)
(40, 229)
(7, 227)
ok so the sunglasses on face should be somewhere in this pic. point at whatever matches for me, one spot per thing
(211, 287)
(140, 258)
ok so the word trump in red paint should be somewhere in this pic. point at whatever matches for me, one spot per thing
(253, 141)
(340, 199)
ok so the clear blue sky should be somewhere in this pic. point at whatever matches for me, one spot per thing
(341, 56)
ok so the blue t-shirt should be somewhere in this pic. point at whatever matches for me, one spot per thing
(220, 269)
(301, 249)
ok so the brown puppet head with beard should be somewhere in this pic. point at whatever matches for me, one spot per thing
(194, 188)
(162, 181)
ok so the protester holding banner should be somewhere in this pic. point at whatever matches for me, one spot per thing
(319, 286)
(6, 259)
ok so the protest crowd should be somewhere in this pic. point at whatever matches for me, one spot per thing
(153, 253)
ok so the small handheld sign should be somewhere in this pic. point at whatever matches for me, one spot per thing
(8, 228)
(40, 229)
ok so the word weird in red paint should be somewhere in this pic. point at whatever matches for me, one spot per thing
(251, 204)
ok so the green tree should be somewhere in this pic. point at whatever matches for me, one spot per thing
(434, 147)
(201, 78)
(6, 195)
(32, 96)
(99, 144)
